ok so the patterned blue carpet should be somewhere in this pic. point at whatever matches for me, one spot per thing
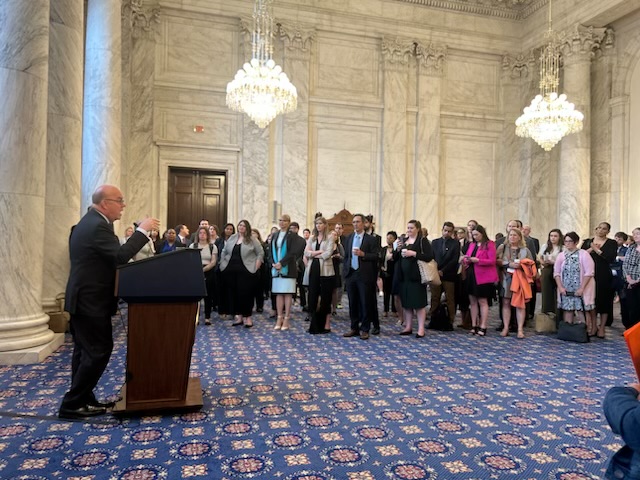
(289, 405)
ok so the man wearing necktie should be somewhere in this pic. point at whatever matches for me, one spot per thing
(360, 263)
(95, 252)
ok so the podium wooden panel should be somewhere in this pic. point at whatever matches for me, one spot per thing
(159, 348)
(162, 328)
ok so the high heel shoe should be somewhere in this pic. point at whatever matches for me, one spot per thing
(278, 323)
(406, 333)
(419, 336)
(285, 324)
(474, 330)
(520, 335)
(482, 332)
(505, 332)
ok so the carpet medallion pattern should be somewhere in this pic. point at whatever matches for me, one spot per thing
(294, 406)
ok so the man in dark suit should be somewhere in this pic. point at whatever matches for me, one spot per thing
(362, 254)
(182, 232)
(370, 228)
(95, 252)
(447, 253)
(300, 244)
(535, 243)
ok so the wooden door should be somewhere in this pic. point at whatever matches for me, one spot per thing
(196, 194)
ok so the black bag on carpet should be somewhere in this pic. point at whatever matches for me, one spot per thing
(574, 332)
(440, 319)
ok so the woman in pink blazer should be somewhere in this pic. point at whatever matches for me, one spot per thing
(481, 275)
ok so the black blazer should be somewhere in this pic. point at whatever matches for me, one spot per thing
(292, 255)
(369, 263)
(95, 252)
(447, 255)
(423, 252)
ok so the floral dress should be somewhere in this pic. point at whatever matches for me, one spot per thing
(571, 279)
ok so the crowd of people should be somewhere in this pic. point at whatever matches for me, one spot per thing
(240, 270)
(576, 280)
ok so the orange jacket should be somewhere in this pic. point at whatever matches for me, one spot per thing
(521, 283)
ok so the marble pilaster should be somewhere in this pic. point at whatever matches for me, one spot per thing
(24, 58)
(431, 62)
(297, 199)
(102, 116)
(64, 144)
(513, 171)
(619, 152)
(397, 189)
(601, 166)
(574, 177)
(140, 154)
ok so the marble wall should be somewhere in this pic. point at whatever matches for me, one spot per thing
(371, 134)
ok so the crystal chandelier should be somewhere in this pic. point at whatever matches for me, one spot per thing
(550, 117)
(260, 88)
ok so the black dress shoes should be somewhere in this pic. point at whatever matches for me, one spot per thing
(87, 411)
(99, 404)
(375, 331)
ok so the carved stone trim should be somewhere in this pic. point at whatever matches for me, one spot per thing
(431, 58)
(509, 9)
(142, 19)
(396, 53)
(297, 40)
(582, 42)
(519, 65)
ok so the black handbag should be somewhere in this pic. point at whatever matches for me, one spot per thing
(574, 332)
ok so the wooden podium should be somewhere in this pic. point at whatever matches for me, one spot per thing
(163, 293)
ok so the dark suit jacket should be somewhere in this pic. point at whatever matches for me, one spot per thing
(536, 245)
(447, 254)
(95, 252)
(293, 253)
(299, 244)
(369, 263)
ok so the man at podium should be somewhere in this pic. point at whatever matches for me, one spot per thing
(95, 252)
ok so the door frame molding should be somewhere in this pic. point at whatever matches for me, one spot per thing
(200, 159)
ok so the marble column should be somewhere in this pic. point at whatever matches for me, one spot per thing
(619, 153)
(397, 172)
(297, 40)
(102, 125)
(24, 59)
(601, 166)
(514, 153)
(431, 61)
(139, 152)
(256, 158)
(64, 143)
(574, 173)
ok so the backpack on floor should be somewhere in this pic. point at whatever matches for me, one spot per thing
(440, 319)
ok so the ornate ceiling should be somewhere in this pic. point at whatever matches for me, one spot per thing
(511, 9)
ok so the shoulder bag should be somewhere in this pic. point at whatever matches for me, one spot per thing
(428, 271)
